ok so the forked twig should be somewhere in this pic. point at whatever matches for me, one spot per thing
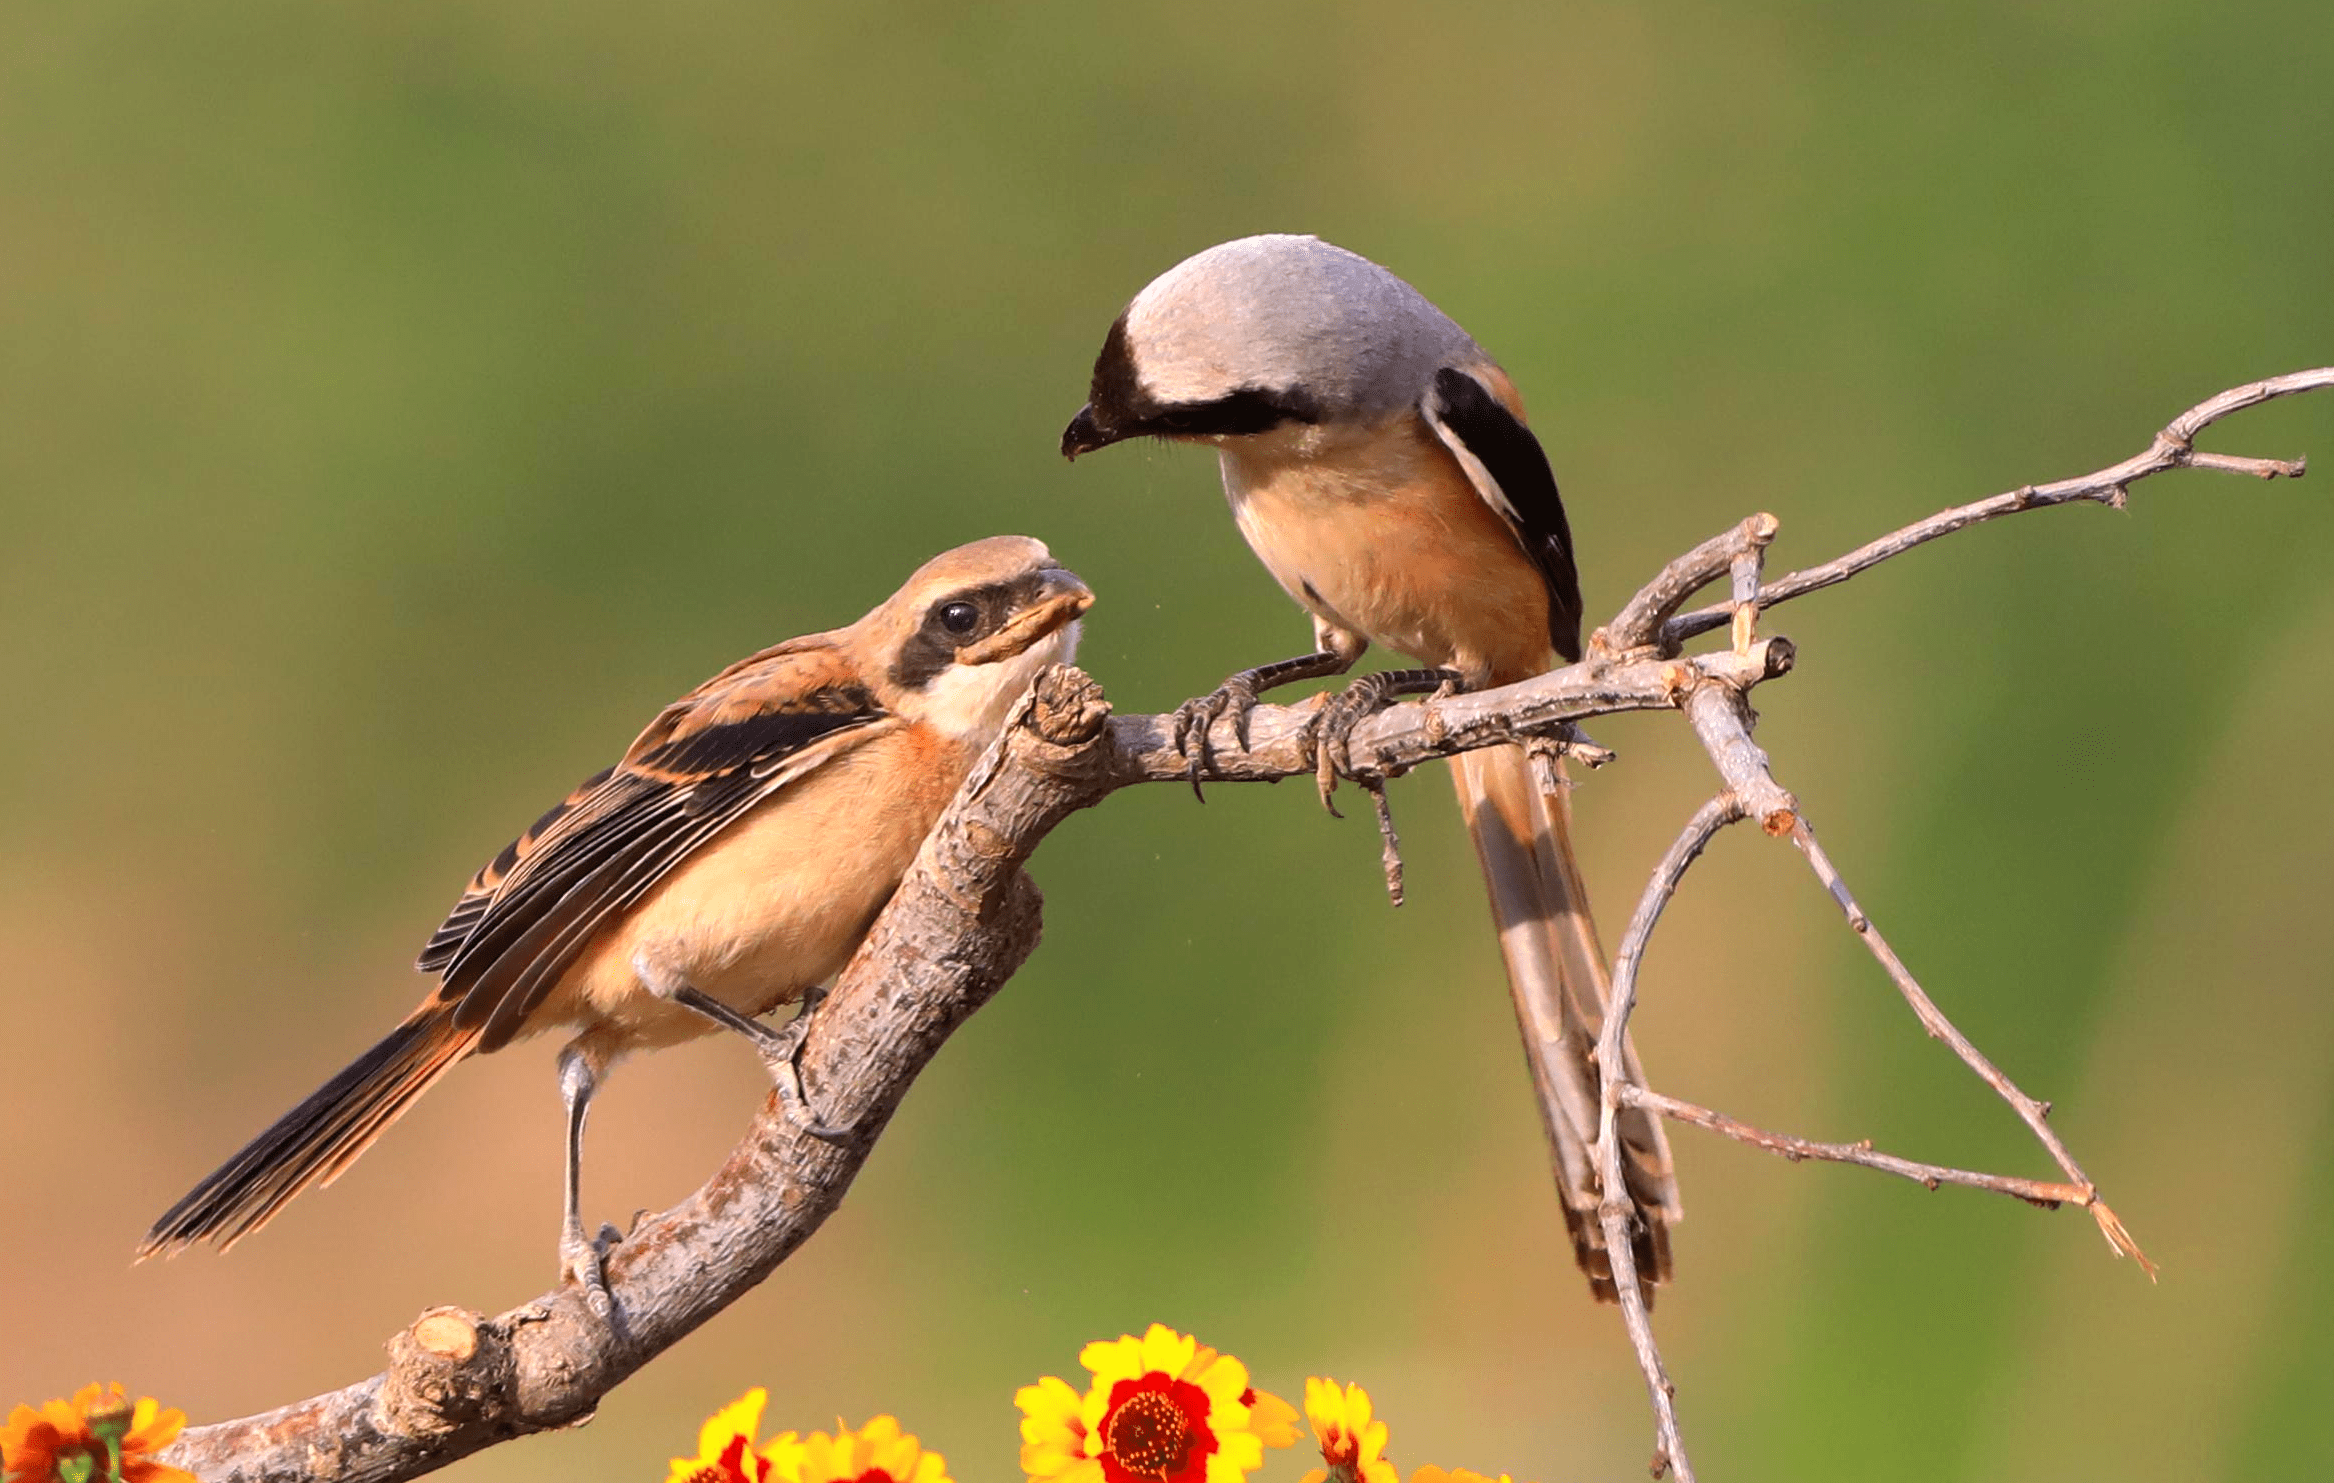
(1721, 717)
(1614, 1211)
(2173, 448)
(1861, 1153)
(2033, 1113)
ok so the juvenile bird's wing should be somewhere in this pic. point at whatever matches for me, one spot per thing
(1510, 470)
(703, 764)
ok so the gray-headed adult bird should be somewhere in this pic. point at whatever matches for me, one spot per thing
(1378, 463)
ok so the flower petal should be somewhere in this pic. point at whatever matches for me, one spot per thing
(1167, 1351)
(1273, 1419)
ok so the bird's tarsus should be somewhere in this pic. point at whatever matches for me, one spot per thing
(781, 1048)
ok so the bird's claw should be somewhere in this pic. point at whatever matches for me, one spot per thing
(782, 1053)
(1332, 729)
(1236, 697)
(585, 1264)
(1195, 718)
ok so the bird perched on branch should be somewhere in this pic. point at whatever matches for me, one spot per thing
(732, 861)
(1378, 463)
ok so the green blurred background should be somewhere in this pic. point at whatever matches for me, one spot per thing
(399, 403)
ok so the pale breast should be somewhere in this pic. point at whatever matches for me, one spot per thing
(1380, 533)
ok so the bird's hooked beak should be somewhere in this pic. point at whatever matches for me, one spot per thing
(1085, 434)
(1064, 601)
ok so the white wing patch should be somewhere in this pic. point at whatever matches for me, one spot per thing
(1477, 474)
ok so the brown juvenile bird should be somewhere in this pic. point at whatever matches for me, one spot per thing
(1378, 463)
(732, 861)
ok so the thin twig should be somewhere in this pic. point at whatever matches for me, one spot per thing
(2033, 1113)
(1390, 843)
(1722, 718)
(1861, 1153)
(1640, 620)
(2172, 449)
(1748, 571)
(1614, 1210)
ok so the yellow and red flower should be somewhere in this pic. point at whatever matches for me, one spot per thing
(1432, 1474)
(99, 1435)
(1353, 1443)
(878, 1452)
(1163, 1408)
(725, 1445)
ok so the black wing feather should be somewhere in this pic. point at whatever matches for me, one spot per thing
(536, 906)
(1517, 464)
(462, 921)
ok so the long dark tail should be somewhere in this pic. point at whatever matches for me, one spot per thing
(1556, 973)
(313, 1142)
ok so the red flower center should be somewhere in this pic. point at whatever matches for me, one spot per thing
(1156, 1431)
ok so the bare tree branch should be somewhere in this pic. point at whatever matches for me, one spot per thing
(967, 917)
(1722, 718)
(1641, 621)
(2039, 1192)
(1615, 1212)
(963, 921)
(1933, 1020)
(2173, 448)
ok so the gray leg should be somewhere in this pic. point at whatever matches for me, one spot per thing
(581, 1261)
(781, 1048)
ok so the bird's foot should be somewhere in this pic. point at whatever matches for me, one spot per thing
(1356, 703)
(585, 1264)
(782, 1053)
(1236, 697)
(1195, 717)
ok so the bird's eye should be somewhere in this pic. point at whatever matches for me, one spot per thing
(959, 617)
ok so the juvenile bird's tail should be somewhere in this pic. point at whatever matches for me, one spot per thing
(1556, 973)
(313, 1142)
